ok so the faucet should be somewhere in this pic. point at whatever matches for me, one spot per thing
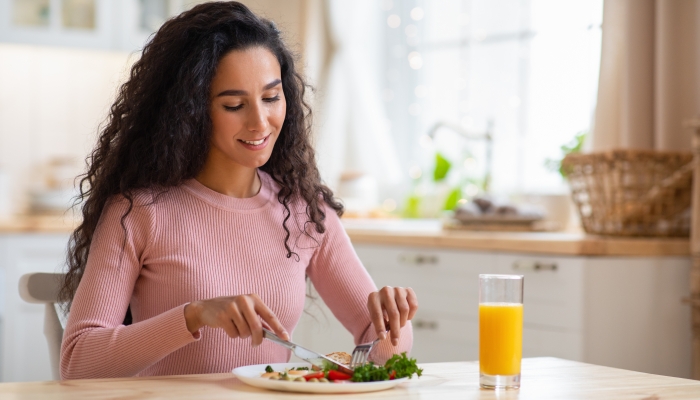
(486, 136)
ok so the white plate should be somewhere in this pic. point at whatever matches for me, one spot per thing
(251, 375)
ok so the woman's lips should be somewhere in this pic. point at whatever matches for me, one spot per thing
(255, 144)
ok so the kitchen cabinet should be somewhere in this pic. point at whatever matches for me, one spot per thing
(96, 24)
(624, 312)
(24, 354)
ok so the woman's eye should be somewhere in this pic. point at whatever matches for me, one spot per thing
(271, 99)
(234, 108)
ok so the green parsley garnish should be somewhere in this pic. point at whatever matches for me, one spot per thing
(269, 369)
(370, 373)
(300, 369)
(400, 366)
(404, 366)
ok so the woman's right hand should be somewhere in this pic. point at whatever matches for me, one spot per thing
(240, 316)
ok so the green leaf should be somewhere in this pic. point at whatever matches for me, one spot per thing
(442, 167)
(412, 209)
(452, 199)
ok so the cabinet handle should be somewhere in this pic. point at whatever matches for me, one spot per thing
(534, 266)
(422, 324)
(418, 259)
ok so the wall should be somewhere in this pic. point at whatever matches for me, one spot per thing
(51, 102)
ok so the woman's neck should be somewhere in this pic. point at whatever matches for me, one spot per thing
(222, 175)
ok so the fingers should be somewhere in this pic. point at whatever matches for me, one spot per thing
(240, 317)
(235, 314)
(252, 319)
(270, 319)
(376, 314)
(412, 300)
(396, 305)
(402, 305)
(230, 328)
(388, 301)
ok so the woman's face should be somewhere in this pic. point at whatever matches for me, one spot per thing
(247, 106)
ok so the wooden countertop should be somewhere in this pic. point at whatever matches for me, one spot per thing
(542, 378)
(428, 233)
(39, 224)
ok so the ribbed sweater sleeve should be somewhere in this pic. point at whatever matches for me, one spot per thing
(344, 285)
(96, 343)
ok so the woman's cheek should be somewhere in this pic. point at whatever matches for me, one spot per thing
(280, 114)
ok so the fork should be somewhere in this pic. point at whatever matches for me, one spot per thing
(361, 353)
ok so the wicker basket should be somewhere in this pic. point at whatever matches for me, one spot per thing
(632, 192)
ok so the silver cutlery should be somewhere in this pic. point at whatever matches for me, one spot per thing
(316, 359)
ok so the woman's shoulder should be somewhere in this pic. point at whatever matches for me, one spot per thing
(137, 198)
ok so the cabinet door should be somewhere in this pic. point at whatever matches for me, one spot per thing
(94, 27)
(25, 354)
(445, 281)
(553, 292)
(442, 338)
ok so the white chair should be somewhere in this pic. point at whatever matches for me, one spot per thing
(42, 288)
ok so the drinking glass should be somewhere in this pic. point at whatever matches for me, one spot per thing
(500, 330)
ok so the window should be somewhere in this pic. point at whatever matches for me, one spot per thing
(526, 70)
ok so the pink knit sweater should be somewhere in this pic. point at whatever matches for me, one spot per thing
(193, 243)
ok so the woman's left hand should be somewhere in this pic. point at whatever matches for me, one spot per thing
(395, 305)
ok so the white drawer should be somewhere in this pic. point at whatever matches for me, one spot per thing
(445, 281)
(441, 338)
(554, 288)
(551, 343)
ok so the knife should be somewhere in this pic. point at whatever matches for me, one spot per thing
(316, 359)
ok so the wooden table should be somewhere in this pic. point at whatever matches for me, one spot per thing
(543, 378)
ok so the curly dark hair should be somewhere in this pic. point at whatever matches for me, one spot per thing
(158, 130)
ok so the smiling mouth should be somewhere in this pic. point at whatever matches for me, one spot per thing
(254, 142)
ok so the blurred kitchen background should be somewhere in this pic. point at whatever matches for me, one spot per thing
(398, 83)
(434, 121)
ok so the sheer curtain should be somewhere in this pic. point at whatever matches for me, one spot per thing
(649, 75)
(342, 46)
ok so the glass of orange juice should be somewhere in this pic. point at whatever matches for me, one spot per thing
(500, 330)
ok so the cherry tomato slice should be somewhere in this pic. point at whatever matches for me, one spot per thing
(338, 376)
(317, 375)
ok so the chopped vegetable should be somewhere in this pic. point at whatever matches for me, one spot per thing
(314, 375)
(370, 373)
(334, 375)
(398, 366)
(269, 369)
(403, 366)
(297, 372)
(300, 369)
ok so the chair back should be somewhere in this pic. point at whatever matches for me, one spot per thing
(42, 288)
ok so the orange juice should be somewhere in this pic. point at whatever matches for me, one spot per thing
(500, 338)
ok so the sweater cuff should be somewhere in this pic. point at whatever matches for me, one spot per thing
(174, 322)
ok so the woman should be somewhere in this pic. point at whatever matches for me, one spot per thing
(204, 212)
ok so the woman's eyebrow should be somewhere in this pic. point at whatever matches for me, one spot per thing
(237, 92)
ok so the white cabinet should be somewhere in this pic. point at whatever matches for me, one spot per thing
(23, 350)
(614, 311)
(98, 24)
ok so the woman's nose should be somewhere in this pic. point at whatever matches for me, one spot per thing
(257, 118)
